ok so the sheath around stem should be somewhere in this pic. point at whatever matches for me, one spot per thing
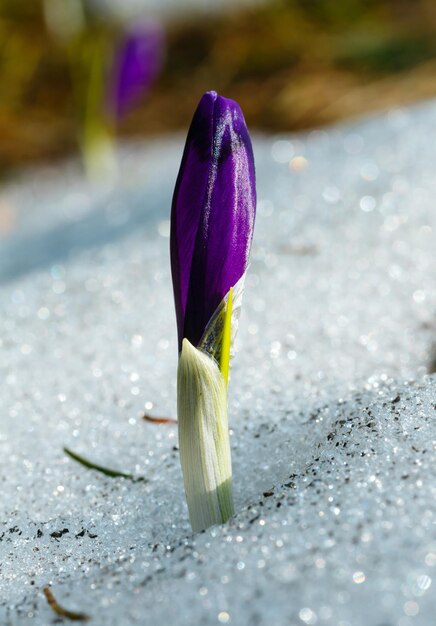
(204, 438)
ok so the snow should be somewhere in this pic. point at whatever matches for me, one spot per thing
(332, 408)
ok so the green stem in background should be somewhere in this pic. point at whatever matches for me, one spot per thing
(97, 133)
(87, 43)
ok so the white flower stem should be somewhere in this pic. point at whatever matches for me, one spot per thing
(204, 438)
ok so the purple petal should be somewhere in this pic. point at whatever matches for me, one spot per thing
(213, 211)
(138, 61)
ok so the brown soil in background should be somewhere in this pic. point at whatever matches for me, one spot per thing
(291, 65)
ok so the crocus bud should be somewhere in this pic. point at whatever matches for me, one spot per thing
(212, 221)
(137, 62)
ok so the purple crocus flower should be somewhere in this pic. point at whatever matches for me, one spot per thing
(212, 220)
(137, 63)
(213, 213)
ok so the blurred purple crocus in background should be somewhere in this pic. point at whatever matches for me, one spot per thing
(212, 221)
(138, 60)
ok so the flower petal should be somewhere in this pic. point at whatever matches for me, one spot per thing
(213, 213)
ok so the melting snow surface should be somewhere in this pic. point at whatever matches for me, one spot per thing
(332, 407)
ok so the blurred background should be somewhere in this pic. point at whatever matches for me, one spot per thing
(291, 64)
